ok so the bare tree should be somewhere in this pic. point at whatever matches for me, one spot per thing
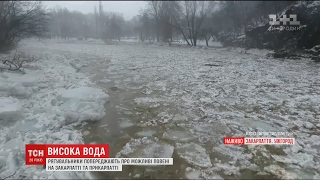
(96, 21)
(206, 34)
(114, 23)
(155, 10)
(167, 28)
(15, 63)
(19, 20)
(145, 27)
(101, 20)
(190, 17)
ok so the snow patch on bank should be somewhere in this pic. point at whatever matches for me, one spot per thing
(10, 109)
(43, 106)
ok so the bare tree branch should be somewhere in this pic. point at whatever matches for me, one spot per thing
(193, 14)
(16, 64)
(19, 19)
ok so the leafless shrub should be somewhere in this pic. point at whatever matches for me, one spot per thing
(20, 19)
(16, 62)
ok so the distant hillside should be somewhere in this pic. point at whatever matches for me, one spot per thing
(290, 40)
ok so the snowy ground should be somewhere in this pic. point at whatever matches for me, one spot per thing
(189, 98)
(42, 106)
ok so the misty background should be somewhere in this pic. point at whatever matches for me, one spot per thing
(233, 23)
(127, 8)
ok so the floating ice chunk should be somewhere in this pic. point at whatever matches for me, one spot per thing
(125, 123)
(308, 125)
(146, 101)
(194, 154)
(26, 125)
(213, 176)
(3, 157)
(228, 169)
(158, 86)
(84, 103)
(146, 133)
(86, 94)
(178, 118)
(296, 148)
(104, 125)
(316, 176)
(146, 148)
(10, 108)
(70, 117)
(86, 133)
(253, 167)
(104, 81)
(301, 159)
(192, 173)
(205, 100)
(84, 110)
(279, 172)
(12, 162)
(254, 123)
(235, 152)
(17, 90)
(178, 135)
(29, 79)
(15, 143)
(13, 89)
(164, 116)
(212, 128)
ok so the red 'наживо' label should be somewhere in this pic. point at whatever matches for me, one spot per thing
(258, 141)
(233, 140)
(36, 154)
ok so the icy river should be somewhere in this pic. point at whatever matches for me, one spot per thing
(167, 101)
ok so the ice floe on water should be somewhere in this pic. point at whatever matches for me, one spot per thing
(148, 102)
(247, 92)
(193, 154)
(86, 103)
(125, 123)
(178, 135)
(179, 118)
(192, 173)
(158, 86)
(10, 109)
(146, 133)
(188, 98)
(42, 106)
(146, 148)
(86, 94)
(281, 173)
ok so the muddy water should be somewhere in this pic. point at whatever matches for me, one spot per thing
(119, 126)
(123, 122)
(173, 94)
(246, 93)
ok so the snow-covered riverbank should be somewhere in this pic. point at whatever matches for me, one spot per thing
(43, 106)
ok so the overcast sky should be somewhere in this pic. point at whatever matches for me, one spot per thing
(127, 8)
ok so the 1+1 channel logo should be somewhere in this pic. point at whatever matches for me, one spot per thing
(288, 23)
